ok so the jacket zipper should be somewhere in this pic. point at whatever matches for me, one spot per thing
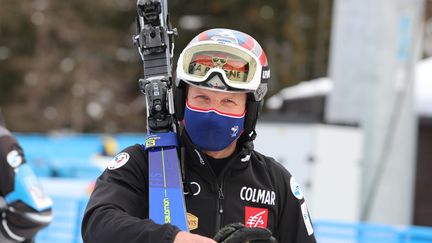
(219, 207)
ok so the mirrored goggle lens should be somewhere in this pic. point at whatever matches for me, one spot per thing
(238, 66)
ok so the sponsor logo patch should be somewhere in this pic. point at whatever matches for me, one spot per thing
(306, 218)
(118, 161)
(256, 217)
(257, 195)
(192, 221)
(14, 159)
(295, 189)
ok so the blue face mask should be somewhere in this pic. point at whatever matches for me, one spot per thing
(212, 130)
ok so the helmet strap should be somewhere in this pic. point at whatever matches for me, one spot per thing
(253, 109)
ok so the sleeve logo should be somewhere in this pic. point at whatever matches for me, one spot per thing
(118, 161)
(256, 217)
(295, 189)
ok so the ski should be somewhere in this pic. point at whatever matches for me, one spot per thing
(155, 42)
(165, 185)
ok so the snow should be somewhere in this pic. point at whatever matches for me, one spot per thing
(303, 90)
(322, 86)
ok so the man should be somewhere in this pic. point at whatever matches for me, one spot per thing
(220, 85)
(24, 207)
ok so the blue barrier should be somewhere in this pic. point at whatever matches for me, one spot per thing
(338, 232)
(68, 211)
(69, 155)
(66, 224)
(72, 156)
(70, 197)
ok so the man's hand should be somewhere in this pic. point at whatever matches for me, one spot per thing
(238, 233)
(186, 237)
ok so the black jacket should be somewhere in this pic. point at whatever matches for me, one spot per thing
(255, 192)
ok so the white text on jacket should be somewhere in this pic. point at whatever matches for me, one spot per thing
(257, 195)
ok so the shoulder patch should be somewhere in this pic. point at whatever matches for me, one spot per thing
(306, 219)
(14, 159)
(295, 188)
(118, 161)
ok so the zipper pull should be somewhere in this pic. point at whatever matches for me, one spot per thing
(221, 197)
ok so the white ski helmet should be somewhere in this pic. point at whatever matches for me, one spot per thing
(226, 60)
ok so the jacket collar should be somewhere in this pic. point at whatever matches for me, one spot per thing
(197, 159)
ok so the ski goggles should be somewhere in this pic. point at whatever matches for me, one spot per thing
(239, 68)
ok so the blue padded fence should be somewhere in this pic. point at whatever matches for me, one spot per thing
(338, 232)
(67, 167)
(70, 155)
(70, 197)
(69, 210)
(66, 225)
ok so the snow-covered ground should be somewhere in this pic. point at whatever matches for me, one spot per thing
(322, 86)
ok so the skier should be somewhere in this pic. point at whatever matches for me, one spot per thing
(24, 207)
(232, 192)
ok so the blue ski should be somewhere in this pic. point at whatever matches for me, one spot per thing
(166, 198)
(155, 41)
